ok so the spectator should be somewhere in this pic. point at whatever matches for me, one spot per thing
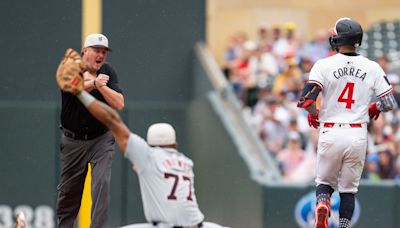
(289, 81)
(235, 47)
(272, 132)
(386, 169)
(292, 155)
(397, 167)
(293, 127)
(268, 65)
(372, 167)
(263, 35)
(305, 66)
(305, 171)
(256, 116)
(276, 33)
(318, 48)
(287, 46)
(246, 70)
(394, 123)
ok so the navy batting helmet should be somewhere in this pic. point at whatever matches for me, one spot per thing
(347, 32)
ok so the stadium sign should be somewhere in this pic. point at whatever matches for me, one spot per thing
(305, 211)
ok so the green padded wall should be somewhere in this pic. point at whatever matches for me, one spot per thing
(152, 44)
(28, 164)
(34, 36)
(378, 204)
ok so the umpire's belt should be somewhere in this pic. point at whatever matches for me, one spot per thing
(195, 226)
(73, 135)
(342, 125)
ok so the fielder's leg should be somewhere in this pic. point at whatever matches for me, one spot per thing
(322, 210)
(346, 209)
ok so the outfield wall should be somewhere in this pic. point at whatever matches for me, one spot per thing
(291, 206)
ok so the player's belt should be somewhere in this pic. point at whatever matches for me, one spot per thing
(73, 135)
(352, 125)
(195, 226)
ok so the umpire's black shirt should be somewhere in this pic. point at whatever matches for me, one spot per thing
(76, 118)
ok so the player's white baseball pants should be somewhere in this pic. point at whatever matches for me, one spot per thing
(341, 155)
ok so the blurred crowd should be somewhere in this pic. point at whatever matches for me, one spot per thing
(267, 75)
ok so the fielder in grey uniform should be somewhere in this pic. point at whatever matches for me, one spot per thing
(85, 140)
(165, 175)
(347, 82)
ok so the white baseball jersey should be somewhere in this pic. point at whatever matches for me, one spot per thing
(166, 183)
(348, 84)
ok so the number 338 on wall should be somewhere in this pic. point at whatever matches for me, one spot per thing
(40, 217)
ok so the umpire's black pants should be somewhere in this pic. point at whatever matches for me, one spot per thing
(75, 156)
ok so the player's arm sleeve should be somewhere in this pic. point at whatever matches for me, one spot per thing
(309, 95)
(312, 88)
(386, 103)
(383, 91)
(138, 152)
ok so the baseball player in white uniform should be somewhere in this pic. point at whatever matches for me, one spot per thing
(347, 82)
(165, 175)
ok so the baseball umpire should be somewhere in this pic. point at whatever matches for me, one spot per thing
(85, 140)
(165, 174)
(347, 82)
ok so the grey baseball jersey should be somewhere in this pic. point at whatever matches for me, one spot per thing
(166, 183)
(348, 83)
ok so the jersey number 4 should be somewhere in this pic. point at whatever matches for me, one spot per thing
(175, 177)
(347, 95)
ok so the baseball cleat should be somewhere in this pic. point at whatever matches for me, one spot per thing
(21, 223)
(321, 215)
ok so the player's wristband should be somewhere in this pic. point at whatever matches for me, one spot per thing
(86, 98)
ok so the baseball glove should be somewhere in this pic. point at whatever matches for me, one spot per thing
(69, 72)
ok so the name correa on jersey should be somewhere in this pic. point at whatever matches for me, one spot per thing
(349, 71)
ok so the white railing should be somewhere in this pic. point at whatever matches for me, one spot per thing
(259, 161)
